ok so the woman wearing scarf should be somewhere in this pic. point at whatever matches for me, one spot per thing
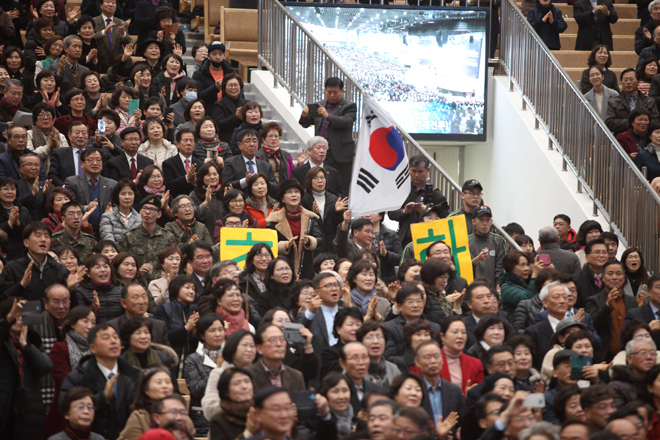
(281, 161)
(66, 356)
(153, 384)
(259, 204)
(325, 204)
(210, 330)
(120, 100)
(165, 82)
(156, 147)
(362, 281)
(98, 289)
(185, 227)
(206, 139)
(207, 195)
(298, 230)
(279, 280)
(81, 408)
(44, 137)
(234, 203)
(335, 388)
(236, 392)
(227, 302)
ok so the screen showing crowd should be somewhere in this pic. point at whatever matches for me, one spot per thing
(426, 66)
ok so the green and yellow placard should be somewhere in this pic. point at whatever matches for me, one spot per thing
(452, 231)
(235, 243)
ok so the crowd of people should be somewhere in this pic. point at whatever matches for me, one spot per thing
(120, 318)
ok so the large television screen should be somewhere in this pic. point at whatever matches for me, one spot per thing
(427, 66)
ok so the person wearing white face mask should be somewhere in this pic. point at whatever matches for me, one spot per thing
(186, 90)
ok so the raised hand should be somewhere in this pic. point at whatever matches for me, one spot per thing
(302, 157)
(128, 52)
(177, 49)
(108, 28)
(73, 13)
(192, 174)
(15, 311)
(445, 426)
(291, 243)
(121, 30)
(96, 303)
(35, 187)
(39, 51)
(382, 249)
(341, 204)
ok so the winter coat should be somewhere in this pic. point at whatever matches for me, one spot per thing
(139, 422)
(390, 261)
(233, 143)
(173, 314)
(166, 355)
(525, 313)
(548, 32)
(331, 218)
(303, 254)
(208, 216)
(513, 291)
(112, 225)
(646, 159)
(144, 19)
(10, 279)
(161, 81)
(22, 392)
(111, 415)
(624, 383)
(285, 159)
(618, 111)
(109, 297)
(206, 89)
(224, 115)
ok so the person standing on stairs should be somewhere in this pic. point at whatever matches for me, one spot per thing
(594, 18)
(210, 74)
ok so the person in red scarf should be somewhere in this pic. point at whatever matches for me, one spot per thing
(185, 227)
(298, 230)
(270, 151)
(227, 301)
(79, 408)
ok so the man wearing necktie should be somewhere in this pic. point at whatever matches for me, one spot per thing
(111, 31)
(129, 163)
(649, 307)
(238, 169)
(620, 107)
(111, 378)
(180, 171)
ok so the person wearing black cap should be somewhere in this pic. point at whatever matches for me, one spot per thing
(210, 74)
(418, 200)
(147, 239)
(487, 248)
(298, 230)
(471, 197)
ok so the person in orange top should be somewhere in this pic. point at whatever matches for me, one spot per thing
(259, 204)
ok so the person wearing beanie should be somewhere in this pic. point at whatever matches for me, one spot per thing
(298, 230)
(548, 22)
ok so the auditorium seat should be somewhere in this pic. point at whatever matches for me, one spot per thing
(212, 18)
(239, 31)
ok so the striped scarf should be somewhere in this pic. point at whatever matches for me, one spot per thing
(234, 322)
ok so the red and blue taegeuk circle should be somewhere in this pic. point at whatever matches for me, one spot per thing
(386, 147)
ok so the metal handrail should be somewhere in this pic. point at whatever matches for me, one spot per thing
(301, 65)
(604, 170)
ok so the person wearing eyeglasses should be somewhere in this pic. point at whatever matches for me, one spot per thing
(80, 404)
(31, 192)
(10, 159)
(185, 227)
(270, 151)
(44, 137)
(270, 370)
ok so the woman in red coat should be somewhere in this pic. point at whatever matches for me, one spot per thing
(66, 355)
(457, 367)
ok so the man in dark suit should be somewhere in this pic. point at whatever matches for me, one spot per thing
(590, 281)
(135, 301)
(200, 256)
(410, 302)
(130, 163)
(180, 171)
(238, 169)
(270, 370)
(620, 108)
(650, 312)
(441, 397)
(10, 159)
(71, 71)
(319, 317)
(555, 299)
(334, 121)
(416, 202)
(317, 148)
(354, 360)
(602, 306)
(564, 261)
(110, 30)
(91, 187)
(363, 235)
(481, 300)
(594, 24)
(65, 162)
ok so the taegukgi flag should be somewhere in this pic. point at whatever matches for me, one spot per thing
(381, 176)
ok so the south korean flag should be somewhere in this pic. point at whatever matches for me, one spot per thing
(381, 176)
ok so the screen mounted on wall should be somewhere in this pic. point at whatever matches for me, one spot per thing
(426, 66)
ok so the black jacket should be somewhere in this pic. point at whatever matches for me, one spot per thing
(641, 42)
(333, 184)
(586, 286)
(144, 20)
(17, 249)
(330, 220)
(109, 297)
(10, 280)
(405, 220)
(390, 261)
(161, 81)
(645, 314)
(224, 115)
(541, 333)
(583, 14)
(618, 111)
(28, 421)
(173, 314)
(602, 313)
(206, 89)
(112, 415)
(548, 32)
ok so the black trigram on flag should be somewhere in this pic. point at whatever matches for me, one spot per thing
(401, 178)
(366, 180)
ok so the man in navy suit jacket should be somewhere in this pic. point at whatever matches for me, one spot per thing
(317, 147)
(119, 166)
(238, 169)
(64, 162)
(9, 160)
(441, 397)
(651, 310)
(178, 180)
(319, 317)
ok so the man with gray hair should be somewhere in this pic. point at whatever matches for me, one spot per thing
(543, 429)
(564, 261)
(650, 20)
(641, 355)
(317, 149)
(421, 197)
(71, 71)
(185, 227)
(554, 297)
(13, 100)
